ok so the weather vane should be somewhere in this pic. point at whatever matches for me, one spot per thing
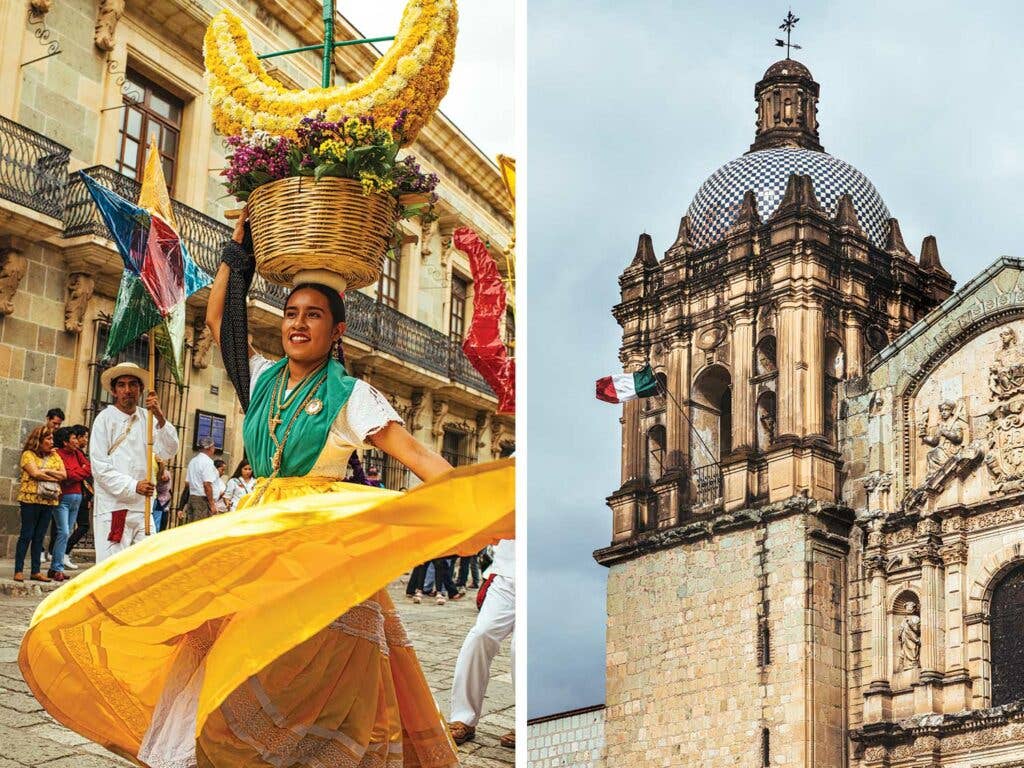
(787, 24)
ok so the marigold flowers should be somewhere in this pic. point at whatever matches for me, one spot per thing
(410, 78)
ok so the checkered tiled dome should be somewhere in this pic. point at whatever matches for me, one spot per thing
(715, 207)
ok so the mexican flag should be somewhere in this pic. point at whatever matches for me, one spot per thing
(621, 387)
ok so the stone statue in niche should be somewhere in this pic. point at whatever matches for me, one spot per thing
(908, 639)
(765, 357)
(1006, 374)
(945, 438)
(110, 12)
(765, 422)
(12, 269)
(79, 290)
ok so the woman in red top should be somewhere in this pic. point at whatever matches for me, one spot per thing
(78, 469)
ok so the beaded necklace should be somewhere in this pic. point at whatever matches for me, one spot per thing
(279, 403)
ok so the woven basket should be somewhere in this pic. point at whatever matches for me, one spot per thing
(323, 231)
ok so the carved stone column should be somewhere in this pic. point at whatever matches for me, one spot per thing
(852, 346)
(742, 391)
(956, 693)
(634, 440)
(877, 706)
(927, 697)
(788, 352)
(13, 267)
(677, 430)
(814, 372)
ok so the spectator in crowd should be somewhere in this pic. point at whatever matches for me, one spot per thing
(162, 503)
(55, 419)
(373, 477)
(77, 468)
(38, 493)
(220, 487)
(469, 567)
(120, 460)
(495, 622)
(85, 508)
(202, 477)
(444, 588)
(240, 484)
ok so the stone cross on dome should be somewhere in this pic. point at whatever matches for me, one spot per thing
(787, 24)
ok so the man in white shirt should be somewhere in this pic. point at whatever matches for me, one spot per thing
(497, 620)
(202, 478)
(121, 472)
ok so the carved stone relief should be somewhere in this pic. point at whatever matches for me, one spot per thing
(109, 14)
(78, 291)
(13, 267)
(1005, 455)
(440, 412)
(201, 350)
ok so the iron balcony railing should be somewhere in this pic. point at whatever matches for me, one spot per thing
(708, 482)
(33, 169)
(377, 325)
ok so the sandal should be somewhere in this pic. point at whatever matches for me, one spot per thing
(461, 732)
(508, 740)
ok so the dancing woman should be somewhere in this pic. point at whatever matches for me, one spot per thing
(265, 638)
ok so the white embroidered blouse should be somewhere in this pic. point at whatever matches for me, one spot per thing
(366, 412)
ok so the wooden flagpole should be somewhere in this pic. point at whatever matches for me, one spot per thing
(149, 431)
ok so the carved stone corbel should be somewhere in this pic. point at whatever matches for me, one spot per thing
(414, 411)
(201, 348)
(107, 17)
(40, 8)
(13, 267)
(77, 293)
(483, 421)
(440, 412)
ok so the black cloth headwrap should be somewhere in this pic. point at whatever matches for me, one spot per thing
(234, 327)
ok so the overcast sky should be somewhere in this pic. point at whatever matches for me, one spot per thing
(480, 93)
(631, 107)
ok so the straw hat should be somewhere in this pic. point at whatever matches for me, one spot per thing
(113, 373)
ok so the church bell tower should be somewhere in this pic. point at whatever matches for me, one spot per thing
(727, 566)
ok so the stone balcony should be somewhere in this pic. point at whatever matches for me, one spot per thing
(39, 200)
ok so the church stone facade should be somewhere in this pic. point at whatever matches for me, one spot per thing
(804, 562)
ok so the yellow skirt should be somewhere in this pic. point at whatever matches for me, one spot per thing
(263, 636)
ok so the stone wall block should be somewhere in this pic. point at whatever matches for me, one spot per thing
(19, 333)
(46, 340)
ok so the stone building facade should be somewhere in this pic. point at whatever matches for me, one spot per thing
(932, 444)
(739, 613)
(572, 739)
(83, 84)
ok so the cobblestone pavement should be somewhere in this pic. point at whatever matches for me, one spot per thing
(29, 737)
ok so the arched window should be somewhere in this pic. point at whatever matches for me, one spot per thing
(1006, 623)
(711, 415)
(655, 457)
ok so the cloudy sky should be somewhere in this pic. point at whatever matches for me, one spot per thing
(480, 94)
(631, 106)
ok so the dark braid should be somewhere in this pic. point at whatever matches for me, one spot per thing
(234, 328)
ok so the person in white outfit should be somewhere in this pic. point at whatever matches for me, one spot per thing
(497, 620)
(121, 472)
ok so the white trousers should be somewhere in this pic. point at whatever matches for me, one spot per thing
(134, 532)
(497, 620)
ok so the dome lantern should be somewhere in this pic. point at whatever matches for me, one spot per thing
(787, 108)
